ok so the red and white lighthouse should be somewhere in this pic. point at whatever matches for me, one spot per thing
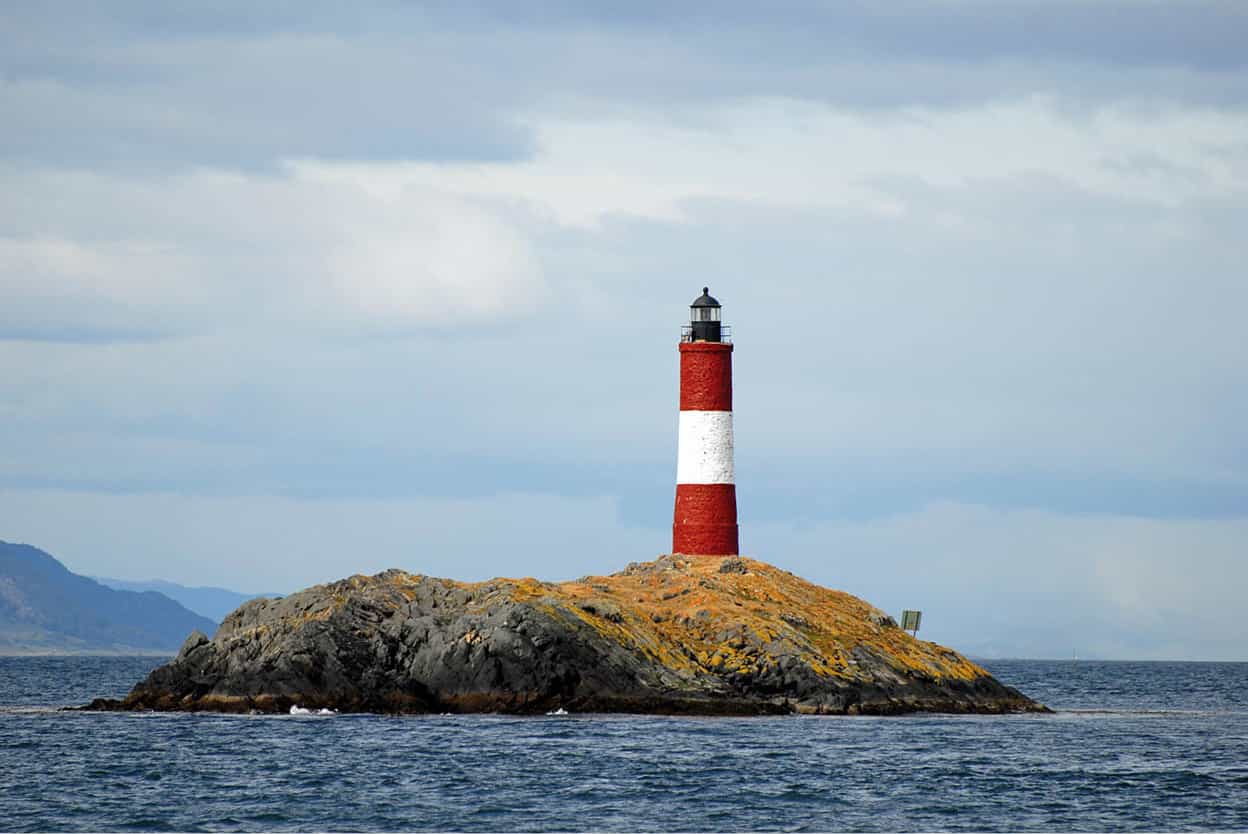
(705, 521)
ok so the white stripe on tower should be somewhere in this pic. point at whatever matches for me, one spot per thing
(704, 448)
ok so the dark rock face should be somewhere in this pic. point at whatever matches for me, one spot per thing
(671, 636)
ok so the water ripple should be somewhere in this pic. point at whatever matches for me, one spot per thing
(1132, 747)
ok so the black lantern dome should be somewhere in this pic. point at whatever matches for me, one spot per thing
(704, 318)
(705, 299)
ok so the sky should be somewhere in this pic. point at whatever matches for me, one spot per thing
(294, 292)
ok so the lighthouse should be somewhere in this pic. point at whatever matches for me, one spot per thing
(705, 521)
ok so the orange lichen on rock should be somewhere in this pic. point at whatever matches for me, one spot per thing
(735, 615)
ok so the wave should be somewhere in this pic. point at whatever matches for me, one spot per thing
(298, 710)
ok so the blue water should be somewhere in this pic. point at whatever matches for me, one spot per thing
(1133, 746)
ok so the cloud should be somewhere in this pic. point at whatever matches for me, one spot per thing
(136, 89)
(793, 153)
(421, 256)
(1120, 32)
(143, 103)
(185, 252)
(1033, 330)
(101, 290)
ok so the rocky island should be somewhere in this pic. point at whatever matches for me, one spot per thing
(704, 635)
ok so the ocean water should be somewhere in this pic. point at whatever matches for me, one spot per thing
(1132, 746)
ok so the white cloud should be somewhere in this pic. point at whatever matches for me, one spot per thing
(53, 283)
(445, 243)
(124, 269)
(208, 249)
(433, 259)
(794, 153)
(989, 293)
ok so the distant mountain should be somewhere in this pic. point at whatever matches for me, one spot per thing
(44, 607)
(213, 603)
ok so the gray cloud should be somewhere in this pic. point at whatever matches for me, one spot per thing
(133, 87)
(1200, 33)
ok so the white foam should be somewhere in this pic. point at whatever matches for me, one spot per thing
(298, 710)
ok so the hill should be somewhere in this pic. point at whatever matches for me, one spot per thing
(46, 608)
(213, 603)
(691, 635)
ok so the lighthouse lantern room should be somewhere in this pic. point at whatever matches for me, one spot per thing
(705, 519)
(704, 318)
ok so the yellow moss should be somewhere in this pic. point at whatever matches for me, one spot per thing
(685, 614)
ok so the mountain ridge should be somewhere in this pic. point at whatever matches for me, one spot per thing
(45, 608)
(206, 600)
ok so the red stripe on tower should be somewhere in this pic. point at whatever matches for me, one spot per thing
(705, 519)
(705, 376)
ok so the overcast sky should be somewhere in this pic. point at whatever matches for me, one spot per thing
(293, 293)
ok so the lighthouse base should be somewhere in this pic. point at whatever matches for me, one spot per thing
(705, 520)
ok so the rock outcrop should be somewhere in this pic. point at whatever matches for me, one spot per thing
(677, 635)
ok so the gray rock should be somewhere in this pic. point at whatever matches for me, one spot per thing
(196, 639)
(659, 637)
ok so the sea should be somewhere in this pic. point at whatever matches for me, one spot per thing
(1129, 747)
